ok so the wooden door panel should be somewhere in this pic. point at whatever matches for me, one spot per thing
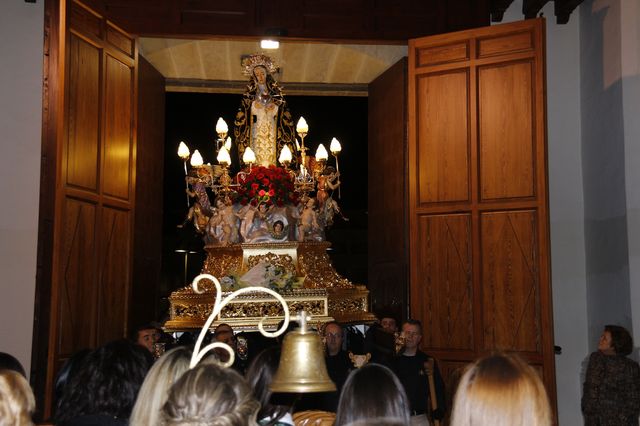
(387, 191)
(77, 293)
(444, 295)
(506, 138)
(115, 264)
(510, 282)
(478, 215)
(93, 141)
(443, 137)
(118, 128)
(83, 114)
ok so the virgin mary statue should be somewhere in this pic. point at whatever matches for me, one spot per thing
(263, 121)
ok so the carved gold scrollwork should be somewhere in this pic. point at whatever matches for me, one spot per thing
(285, 261)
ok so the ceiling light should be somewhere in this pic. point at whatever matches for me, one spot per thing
(269, 44)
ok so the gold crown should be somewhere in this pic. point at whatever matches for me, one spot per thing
(258, 60)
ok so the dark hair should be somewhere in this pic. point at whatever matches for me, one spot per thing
(414, 322)
(260, 375)
(68, 370)
(372, 394)
(621, 340)
(138, 329)
(107, 382)
(9, 362)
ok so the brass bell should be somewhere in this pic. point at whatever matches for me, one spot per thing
(302, 368)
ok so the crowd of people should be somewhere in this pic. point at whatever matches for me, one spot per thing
(129, 381)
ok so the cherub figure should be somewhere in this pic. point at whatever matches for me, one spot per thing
(326, 182)
(308, 227)
(223, 225)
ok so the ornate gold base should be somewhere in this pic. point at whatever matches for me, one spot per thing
(325, 294)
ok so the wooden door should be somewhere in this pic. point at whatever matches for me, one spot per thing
(387, 192)
(88, 172)
(478, 209)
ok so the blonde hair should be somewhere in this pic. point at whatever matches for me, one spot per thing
(210, 395)
(155, 389)
(16, 400)
(501, 390)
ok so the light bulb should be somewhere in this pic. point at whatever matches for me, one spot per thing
(183, 151)
(321, 153)
(285, 155)
(249, 157)
(196, 159)
(223, 156)
(335, 146)
(302, 126)
(221, 126)
(227, 143)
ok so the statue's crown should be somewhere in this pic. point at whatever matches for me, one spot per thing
(255, 60)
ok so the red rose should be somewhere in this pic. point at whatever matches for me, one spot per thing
(252, 193)
(272, 192)
(261, 193)
(254, 186)
(265, 182)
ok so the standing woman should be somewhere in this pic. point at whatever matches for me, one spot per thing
(611, 392)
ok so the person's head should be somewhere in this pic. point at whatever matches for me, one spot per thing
(153, 393)
(412, 332)
(9, 362)
(615, 340)
(371, 395)
(278, 226)
(329, 170)
(259, 375)
(210, 395)
(16, 399)
(311, 202)
(334, 335)
(68, 370)
(260, 73)
(389, 324)
(146, 335)
(107, 382)
(224, 334)
(500, 390)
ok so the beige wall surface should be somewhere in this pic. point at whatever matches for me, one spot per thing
(21, 48)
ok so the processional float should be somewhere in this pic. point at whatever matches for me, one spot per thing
(266, 225)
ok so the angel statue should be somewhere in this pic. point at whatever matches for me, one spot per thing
(263, 121)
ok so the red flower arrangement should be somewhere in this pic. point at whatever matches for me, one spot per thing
(270, 185)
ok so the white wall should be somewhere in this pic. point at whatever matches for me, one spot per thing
(21, 50)
(630, 70)
(566, 206)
